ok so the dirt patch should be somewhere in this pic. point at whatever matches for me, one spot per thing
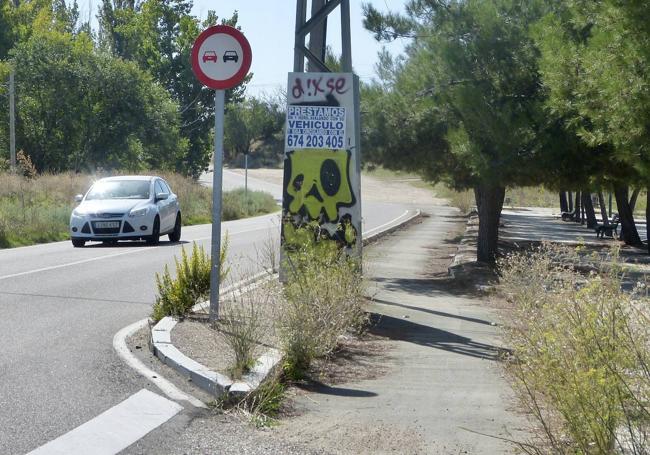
(357, 357)
(194, 338)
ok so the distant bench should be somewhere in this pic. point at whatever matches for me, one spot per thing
(608, 229)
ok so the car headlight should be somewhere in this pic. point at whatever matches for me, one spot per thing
(78, 212)
(138, 212)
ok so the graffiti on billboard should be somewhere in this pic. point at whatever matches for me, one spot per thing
(321, 182)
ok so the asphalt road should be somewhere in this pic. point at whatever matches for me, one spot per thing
(61, 307)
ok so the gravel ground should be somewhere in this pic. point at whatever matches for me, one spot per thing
(199, 342)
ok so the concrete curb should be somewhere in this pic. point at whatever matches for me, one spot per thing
(210, 381)
(377, 233)
(218, 384)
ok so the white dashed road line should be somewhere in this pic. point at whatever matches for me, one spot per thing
(115, 429)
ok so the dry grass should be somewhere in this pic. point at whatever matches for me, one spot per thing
(37, 210)
(324, 297)
(581, 352)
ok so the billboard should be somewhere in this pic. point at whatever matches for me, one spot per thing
(321, 158)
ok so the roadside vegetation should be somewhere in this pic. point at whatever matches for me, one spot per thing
(492, 96)
(323, 297)
(190, 283)
(35, 208)
(321, 300)
(580, 351)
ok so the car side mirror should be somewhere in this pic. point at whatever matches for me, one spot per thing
(78, 197)
(161, 196)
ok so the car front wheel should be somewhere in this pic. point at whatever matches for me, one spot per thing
(78, 243)
(175, 235)
(154, 238)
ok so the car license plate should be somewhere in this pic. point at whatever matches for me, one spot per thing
(107, 224)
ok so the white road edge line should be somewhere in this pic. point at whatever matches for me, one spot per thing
(116, 428)
(378, 228)
(168, 388)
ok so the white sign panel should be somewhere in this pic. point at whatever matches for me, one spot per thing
(315, 127)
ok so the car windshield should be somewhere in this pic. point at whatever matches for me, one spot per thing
(119, 189)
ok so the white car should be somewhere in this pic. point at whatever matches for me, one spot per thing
(129, 207)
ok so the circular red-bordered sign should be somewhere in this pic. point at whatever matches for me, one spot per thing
(221, 57)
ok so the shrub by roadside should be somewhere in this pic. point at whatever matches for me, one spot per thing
(323, 297)
(191, 283)
(581, 358)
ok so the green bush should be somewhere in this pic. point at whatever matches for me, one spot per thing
(236, 204)
(324, 295)
(177, 295)
(581, 354)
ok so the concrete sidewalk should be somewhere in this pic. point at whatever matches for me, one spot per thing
(440, 383)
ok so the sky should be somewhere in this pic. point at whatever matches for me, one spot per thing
(269, 26)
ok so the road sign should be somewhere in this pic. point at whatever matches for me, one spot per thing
(221, 57)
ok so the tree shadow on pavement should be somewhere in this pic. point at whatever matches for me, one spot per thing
(324, 389)
(434, 312)
(430, 286)
(424, 335)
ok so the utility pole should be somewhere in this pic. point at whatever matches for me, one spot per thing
(317, 87)
(12, 120)
(316, 28)
(318, 37)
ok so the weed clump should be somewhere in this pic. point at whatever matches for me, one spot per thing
(580, 352)
(323, 297)
(246, 320)
(177, 295)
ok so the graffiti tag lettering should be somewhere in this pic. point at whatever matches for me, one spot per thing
(314, 87)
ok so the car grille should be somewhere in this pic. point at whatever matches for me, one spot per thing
(127, 228)
(104, 230)
(108, 215)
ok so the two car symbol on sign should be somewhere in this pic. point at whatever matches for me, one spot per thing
(211, 56)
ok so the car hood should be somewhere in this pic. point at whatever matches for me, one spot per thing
(111, 205)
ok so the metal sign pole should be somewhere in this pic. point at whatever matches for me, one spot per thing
(246, 181)
(217, 181)
(12, 121)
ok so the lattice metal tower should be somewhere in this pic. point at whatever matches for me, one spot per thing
(316, 28)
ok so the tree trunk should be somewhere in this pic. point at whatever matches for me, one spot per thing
(635, 195)
(577, 209)
(603, 208)
(570, 201)
(629, 234)
(610, 203)
(647, 217)
(564, 205)
(489, 200)
(589, 210)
